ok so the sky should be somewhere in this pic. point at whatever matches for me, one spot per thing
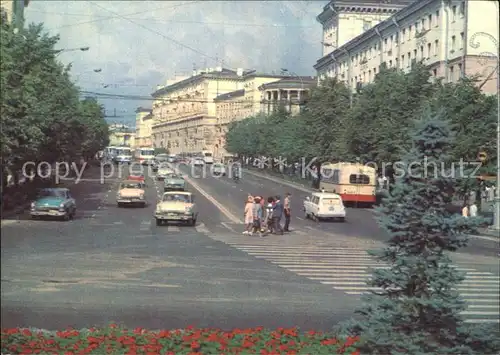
(136, 45)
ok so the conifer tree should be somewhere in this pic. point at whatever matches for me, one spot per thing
(418, 310)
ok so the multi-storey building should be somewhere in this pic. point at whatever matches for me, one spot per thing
(454, 38)
(143, 127)
(13, 10)
(290, 93)
(343, 20)
(185, 112)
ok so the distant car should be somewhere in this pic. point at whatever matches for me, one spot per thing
(54, 202)
(219, 169)
(174, 182)
(139, 178)
(148, 162)
(324, 205)
(178, 206)
(131, 192)
(198, 162)
(161, 158)
(163, 172)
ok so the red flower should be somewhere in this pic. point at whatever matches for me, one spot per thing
(331, 341)
(195, 345)
(26, 332)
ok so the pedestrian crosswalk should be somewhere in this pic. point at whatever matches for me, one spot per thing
(347, 269)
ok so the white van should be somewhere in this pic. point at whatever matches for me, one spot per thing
(323, 205)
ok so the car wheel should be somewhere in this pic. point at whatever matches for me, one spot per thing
(119, 204)
(342, 219)
(193, 222)
(67, 216)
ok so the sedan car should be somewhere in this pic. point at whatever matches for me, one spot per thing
(174, 182)
(176, 207)
(131, 193)
(219, 169)
(164, 172)
(53, 202)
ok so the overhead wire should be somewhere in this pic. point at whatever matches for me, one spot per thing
(180, 44)
(129, 14)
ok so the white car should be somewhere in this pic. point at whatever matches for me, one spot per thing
(198, 162)
(176, 206)
(324, 205)
(219, 169)
(164, 172)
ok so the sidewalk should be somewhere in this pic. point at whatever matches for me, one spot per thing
(487, 234)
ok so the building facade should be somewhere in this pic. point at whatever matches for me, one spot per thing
(344, 20)
(290, 93)
(453, 38)
(185, 112)
(143, 127)
(13, 10)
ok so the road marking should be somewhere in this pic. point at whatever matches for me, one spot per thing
(482, 321)
(216, 203)
(201, 228)
(173, 229)
(301, 219)
(228, 227)
(491, 239)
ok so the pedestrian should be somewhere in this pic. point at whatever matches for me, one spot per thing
(269, 214)
(277, 215)
(257, 216)
(473, 210)
(248, 216)
(287, 210)
(465, 211)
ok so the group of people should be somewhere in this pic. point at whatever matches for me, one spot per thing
(264, 216)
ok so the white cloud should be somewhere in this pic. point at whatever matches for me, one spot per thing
(135, 54)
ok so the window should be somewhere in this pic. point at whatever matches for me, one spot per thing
(434, 72)
(454, 13)
(429, 19)
(460, 71)
(390, 64)
(404, 35)
(437, 19)
(462, 40)
(452, 73)
(417, 26)
(453, 42)
(422, 52)
(409, 32)
(359, 179)
(461, 10)
(408, 59)
(366, 25)
(436, 47)
(423, 24)
(415, 54)
(429, 49)
(403, 59)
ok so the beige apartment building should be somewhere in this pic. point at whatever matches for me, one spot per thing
(143, 127)
(453, 38)
(13, 10)
(185, 110)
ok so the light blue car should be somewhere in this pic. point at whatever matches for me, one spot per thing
(54, 202)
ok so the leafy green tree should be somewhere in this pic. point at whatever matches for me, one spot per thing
(383, 111)
(418, 308)
(94, 127)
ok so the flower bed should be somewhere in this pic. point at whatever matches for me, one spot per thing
(117, 340)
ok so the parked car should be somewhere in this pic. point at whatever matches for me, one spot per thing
(219, 169)
(131, 192)
(54, 202)
(178, 206)
(324, 205)
(174, 182)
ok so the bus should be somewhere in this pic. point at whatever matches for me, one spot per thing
(354, 182)
(123, 155)
(144, 154)
(110, 152)
(207, 156)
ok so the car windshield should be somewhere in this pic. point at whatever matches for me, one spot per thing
(52, 193)
(130, 185)
(177, 198)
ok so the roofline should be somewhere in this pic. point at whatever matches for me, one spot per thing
(142, 109)
(230, 95)
(372, 32)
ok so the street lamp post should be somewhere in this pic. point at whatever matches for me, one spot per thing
(475, 44)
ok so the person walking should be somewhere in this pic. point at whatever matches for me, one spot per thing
(248, 215)
(277, 215)
(257, 216)
(287, 210)
(269, 215)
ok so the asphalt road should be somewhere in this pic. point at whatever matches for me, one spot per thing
(115, 264)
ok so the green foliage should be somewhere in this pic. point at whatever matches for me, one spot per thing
(418, 308)
(42, 115)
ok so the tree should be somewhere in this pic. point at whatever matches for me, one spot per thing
(418, 308)
(383, 111)
(94, 127)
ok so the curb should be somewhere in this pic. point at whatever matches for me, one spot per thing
(282, 181)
